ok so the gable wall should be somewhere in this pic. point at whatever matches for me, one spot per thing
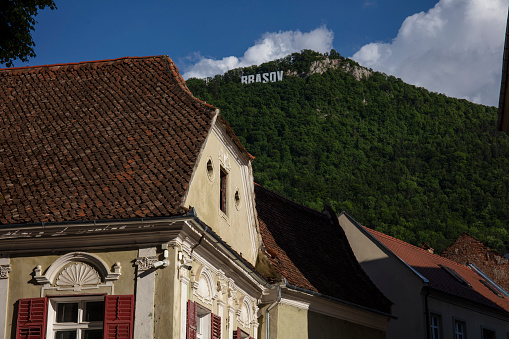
(237, 226)
(394, 279)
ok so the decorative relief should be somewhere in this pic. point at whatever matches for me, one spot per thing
(225, 160)
(78, 276)
(145, 263)
(49, 277)
(4, 271)
(244, 313)
(203, 287)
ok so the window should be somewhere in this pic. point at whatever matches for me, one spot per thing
(223, 190)
(201, 323)
(436, 326)
(488, 334)
(76, 317)
(239, 334)
(460, 329)
(72, 318)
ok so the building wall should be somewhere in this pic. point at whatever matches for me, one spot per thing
(22, 283)
(395, 279)
(289, 322)
(237, 225)
(474, 319)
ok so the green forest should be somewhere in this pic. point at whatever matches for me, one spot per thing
(414, 164)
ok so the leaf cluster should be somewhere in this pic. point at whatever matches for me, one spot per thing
(17, 20)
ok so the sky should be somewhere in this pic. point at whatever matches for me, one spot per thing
(453, 47)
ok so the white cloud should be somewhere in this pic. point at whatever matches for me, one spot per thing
(455, 48)
(270, 47)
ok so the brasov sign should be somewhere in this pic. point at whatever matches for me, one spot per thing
(263, 78)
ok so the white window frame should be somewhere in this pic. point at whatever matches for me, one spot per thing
(437, 326)
(81, 325)
(460, 333)
(203, 323)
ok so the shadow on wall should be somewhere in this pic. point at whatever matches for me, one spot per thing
(324, 327)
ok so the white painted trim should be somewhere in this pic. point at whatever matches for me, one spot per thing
(295, 303)
(231, 313)
(4, 288)
(184, 283)
(209, 280)
(145, 289)
(337, 310)
(92, 259)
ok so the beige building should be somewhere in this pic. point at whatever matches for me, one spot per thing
(433, 297)
(127, 210)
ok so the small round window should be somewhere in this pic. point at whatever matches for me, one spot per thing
(210, 170)
(237, 198)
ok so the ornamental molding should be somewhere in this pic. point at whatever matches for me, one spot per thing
(245, 313)
(78, 277)
(224, 159)
(92, 260)
(4, 271)
(145, 263)
(203, 288)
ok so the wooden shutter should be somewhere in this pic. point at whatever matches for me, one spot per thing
(237, 334)
(192, 319)
(118, 316)
(31, 322)
(215, 326)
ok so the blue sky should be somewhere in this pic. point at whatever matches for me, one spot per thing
(424, 42)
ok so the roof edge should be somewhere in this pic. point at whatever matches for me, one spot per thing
(325, 296)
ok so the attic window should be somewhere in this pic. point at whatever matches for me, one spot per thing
(237, 199)
(455, 275)
(223, 190)
(210, 170)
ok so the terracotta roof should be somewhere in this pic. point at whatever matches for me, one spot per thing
(429, 266)
(311, 251)
(112, 139)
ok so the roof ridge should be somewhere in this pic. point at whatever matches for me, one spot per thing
(80, 62)
(290, 201)
(181, 82)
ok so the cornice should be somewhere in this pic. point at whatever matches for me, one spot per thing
(115, 234)
(335, 309)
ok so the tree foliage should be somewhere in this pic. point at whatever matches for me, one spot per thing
(413, 164)
(17, 20)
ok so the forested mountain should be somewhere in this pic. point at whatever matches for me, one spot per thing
(413, 164)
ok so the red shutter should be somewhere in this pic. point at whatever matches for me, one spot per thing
(237, 334)
(215, 326)
(31, 323)
(192, 319)
(118, 316)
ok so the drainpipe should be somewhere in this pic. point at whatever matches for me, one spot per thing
(278, 299)
(426, 311)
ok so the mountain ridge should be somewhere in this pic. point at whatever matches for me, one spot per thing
(405, 161)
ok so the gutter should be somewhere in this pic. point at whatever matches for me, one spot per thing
(426, 312)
